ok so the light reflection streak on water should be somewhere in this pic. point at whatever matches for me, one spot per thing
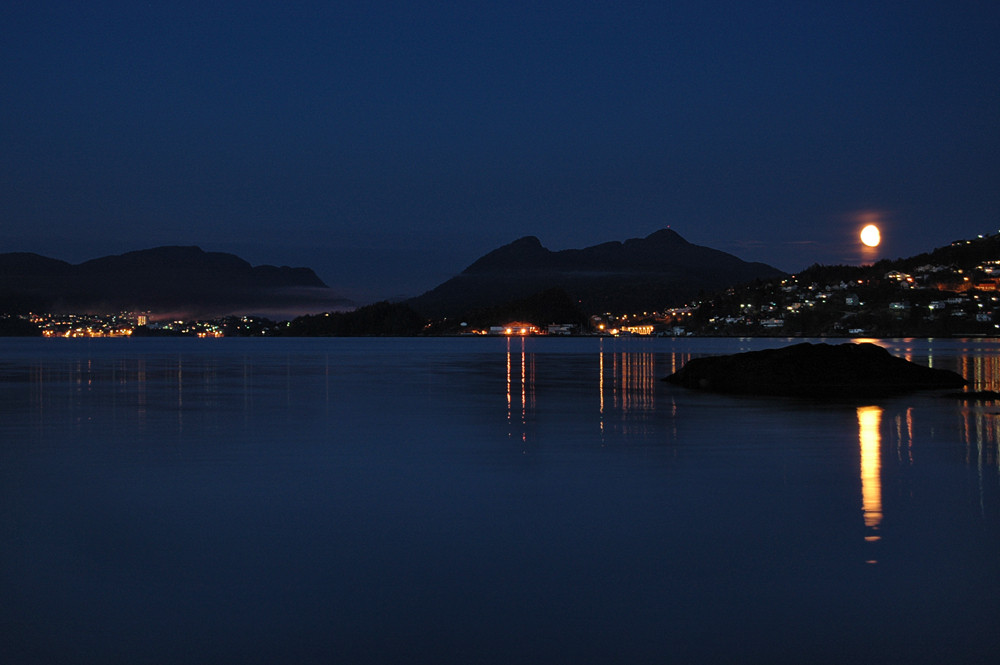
(904, 436)
(870, 438)
(508, 380)
(630, 389)
(600, 383)
(976, 360)
(634, 377)
(626, 386)
(525, 381)
(982, 443)
(524, 387)
(981, 371)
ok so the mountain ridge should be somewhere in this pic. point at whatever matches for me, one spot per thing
(166, 278)
(637, 274)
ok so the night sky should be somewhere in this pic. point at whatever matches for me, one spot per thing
(388, 145)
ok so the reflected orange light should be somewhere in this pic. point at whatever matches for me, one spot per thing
(526, 381)
(508, 381)
(600, 382)
(870, 438)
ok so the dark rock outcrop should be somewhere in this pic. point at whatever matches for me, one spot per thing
(813, 370)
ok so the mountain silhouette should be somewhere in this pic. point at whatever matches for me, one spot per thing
(170, 279)
(640, 274)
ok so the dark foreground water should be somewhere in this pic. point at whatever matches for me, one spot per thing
(484, 501)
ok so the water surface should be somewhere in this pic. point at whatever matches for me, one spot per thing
(484, 500)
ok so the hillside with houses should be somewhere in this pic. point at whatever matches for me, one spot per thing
(952, 291)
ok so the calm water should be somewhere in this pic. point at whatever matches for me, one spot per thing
(479, 500)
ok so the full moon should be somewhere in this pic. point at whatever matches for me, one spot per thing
(870, 236)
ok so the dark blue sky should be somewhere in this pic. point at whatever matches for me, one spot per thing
(388, 145)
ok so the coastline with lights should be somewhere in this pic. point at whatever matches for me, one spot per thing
(953, 291)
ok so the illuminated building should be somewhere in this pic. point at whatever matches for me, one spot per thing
(645, 329)
(515, 328)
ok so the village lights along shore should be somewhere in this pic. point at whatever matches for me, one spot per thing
(953, 291)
